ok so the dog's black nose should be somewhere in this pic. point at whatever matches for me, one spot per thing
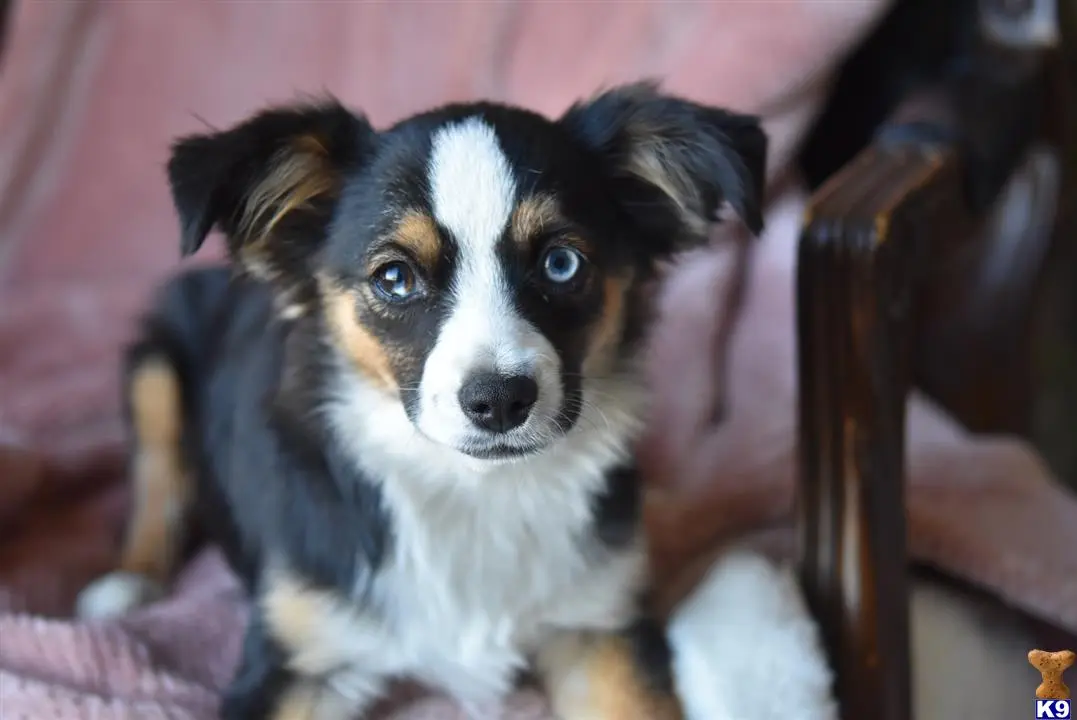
(498, 402)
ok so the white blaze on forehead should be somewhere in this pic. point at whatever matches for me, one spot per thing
(473, 193)
(472, 185)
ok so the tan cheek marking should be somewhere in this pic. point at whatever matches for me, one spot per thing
(416, 232)
(161, 485)
(606, 332)
(531, 216)
(606, 685)
(360, 346)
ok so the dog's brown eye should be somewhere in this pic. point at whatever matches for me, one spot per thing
(394, 281)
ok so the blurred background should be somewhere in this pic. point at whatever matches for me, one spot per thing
(920, 243)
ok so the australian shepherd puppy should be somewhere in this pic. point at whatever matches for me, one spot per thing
(407, 410)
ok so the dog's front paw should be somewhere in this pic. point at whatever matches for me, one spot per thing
(745, 646)
(115, 594)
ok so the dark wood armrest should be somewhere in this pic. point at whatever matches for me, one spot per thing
(870, 234)
(854, 296)
(6, 11)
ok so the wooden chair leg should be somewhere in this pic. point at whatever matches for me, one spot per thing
(853, 332)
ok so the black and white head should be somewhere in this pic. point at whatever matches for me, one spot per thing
(482, 273)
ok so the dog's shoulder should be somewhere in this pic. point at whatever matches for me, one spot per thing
(279, 484)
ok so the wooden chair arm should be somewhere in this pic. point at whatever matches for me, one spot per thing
(854, 295)
(6, 11)
(870, 234)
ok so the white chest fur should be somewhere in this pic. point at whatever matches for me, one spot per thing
(485, 560)
(472, 586)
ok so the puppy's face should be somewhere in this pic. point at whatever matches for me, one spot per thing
(483, 265)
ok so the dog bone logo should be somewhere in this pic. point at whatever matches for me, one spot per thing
(1051, 666)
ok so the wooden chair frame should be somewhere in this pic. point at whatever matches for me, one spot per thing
(870, 235)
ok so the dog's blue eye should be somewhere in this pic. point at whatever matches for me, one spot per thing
(560, 264)
(395, 281)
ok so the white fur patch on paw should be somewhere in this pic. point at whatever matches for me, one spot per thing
(115, 594)
(745, 647)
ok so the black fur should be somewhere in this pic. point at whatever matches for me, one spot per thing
(618, 509)
(266, 482)
(723, 155)
(211, 174)
(262, 678)
(654, 656)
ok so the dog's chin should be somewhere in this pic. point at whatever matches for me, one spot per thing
(500, 452)
(487, 450)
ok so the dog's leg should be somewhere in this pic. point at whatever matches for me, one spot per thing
(264, 688)
(610, 676)
(162, 491)
(160, 372)
(314, 639)
(261, 680)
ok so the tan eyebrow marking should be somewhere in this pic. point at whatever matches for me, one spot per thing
(533, 215)
(417, 233)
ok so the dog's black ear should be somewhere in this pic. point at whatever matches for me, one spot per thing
(269, 183)
(674, 163)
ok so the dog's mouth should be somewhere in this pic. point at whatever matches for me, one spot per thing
(492, 448)
(500, 451)
(517, 445)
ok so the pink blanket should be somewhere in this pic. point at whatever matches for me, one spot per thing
(92, 91)
(167, 661)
